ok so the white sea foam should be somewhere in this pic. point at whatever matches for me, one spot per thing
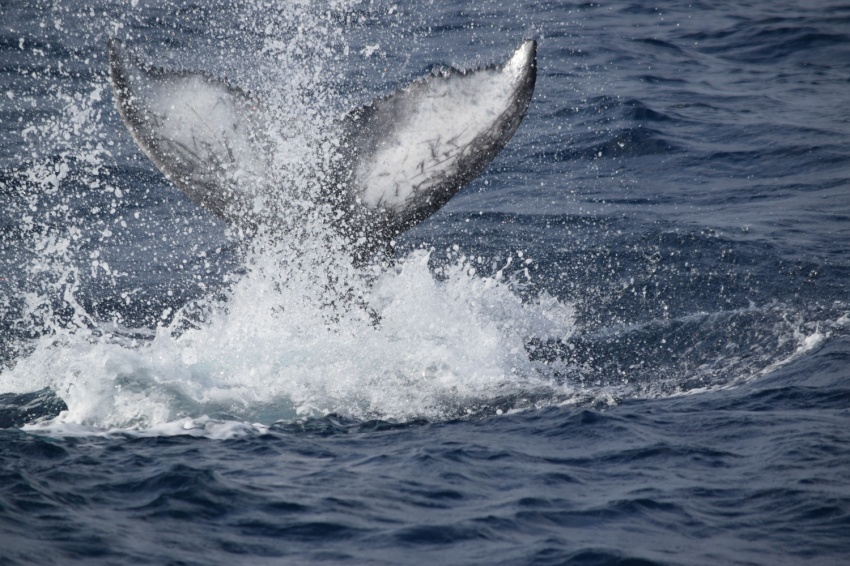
(413, 345)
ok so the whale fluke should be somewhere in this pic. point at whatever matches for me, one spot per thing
(414, 150)
(404, 155)
(200, 131)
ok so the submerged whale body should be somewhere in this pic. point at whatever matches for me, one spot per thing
(403, 156)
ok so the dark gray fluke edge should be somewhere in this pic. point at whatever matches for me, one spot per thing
(18, 409)
(206, 136)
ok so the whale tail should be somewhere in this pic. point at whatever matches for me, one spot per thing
(405, 155)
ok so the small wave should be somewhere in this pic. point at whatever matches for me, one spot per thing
(632, 142)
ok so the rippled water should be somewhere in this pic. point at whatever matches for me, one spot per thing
(626, 341)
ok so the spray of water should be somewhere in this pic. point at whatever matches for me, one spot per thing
(298, 329)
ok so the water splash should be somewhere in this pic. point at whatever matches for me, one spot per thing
(297, 330)
(411, 346)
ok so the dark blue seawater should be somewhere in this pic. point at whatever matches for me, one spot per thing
(627, 342)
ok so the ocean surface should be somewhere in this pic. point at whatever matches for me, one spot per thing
(626, 342)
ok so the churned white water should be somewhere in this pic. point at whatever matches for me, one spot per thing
(413, 345)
